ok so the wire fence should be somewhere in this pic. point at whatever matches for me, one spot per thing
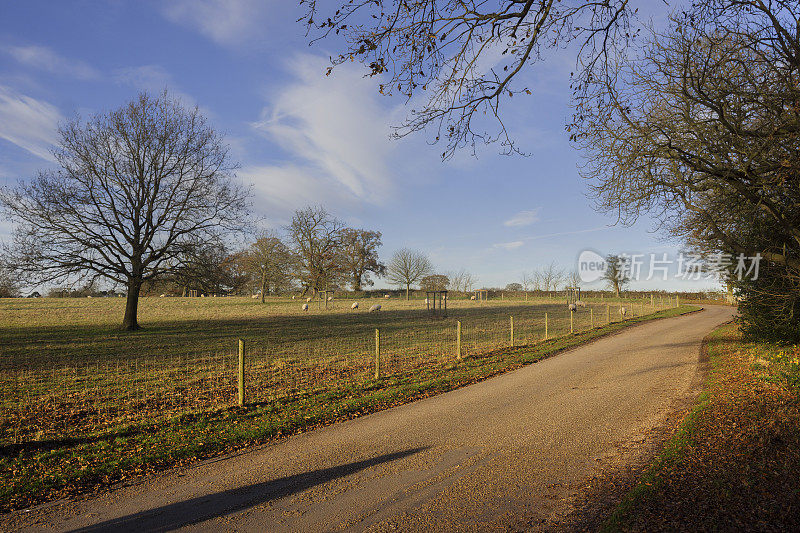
(43, 398)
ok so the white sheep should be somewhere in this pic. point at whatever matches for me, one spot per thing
(472, 297)
(386, 296)
(572, 307)
(354, 306)
(623, 311)
(293, 297)
(330, 298)
(376, 307)
(581, 304)
(305, 307)
(308, 300)
(162, 296)
(254, 297)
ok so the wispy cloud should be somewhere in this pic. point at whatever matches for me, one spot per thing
(523, 218)
(508, 245)
(226, 22)
(43, 58)
(28, 123)
(332, 128)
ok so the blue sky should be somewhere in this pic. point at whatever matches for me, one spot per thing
(303, 138)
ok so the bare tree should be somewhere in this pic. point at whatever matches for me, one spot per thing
(359, 253)
(617, 274)
(408, 267)
(529, 281)
(574, 278)
(316, 237)
(551, 276)
(462, 57)
(9, 288)
(136, 187)
(271, 262)
(434, 282)
(461, 280)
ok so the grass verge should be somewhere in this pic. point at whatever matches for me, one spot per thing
(43, 470)
(734, 464)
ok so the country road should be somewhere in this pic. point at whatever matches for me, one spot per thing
(493, 455)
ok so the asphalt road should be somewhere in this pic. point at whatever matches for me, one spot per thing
(493, 455)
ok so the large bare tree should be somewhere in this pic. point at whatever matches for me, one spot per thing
(407, 267)
(462, 59)
(136, 187)
(316, 238)
(359, 253)
(271, 262)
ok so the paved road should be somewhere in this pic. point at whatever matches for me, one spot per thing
(482, 457)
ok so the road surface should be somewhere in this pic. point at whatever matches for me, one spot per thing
(491, 455)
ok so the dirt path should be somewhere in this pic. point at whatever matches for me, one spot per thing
(504, 453)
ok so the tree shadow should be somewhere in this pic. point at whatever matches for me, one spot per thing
(202, 508)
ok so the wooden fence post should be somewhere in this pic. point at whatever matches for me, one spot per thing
(377, 354)
(458, 340)
(571, 313)
(676, 301)
(512, 331)
(545, 326)
(241, 373)
(591, 317)
(608, 313)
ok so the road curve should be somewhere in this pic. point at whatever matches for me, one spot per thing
(475, 458)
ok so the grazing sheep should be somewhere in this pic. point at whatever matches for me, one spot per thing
(581, 304)
(293, 297)
(386, 296)
(330, 298)
(354, 306)
(308, 300)
(472, 297)
(162, 295)
(305, 307)
(255, 296)
(573, 307)
(376, 307)
(623, 311)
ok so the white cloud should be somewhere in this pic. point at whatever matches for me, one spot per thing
(523, 218)
(226, 22)
(28, 123)
(508, 245)
(334, 128)
(44, 58)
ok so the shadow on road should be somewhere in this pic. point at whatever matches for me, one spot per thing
(195, 510)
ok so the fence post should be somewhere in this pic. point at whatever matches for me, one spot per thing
(458, 340)
(241, 373)
(571, 312)
(545, 326)
(512, 331)
(591, 317)
(377, 354)
(608, 313)
(676, 301)
(652, 303)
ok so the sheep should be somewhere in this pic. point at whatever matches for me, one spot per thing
(622, 311)
(354, 306)
(162, 295)
(581, 304)
(472, 297)
(426, 301)
(293, 297)
(305, 307)
(376, 307)
(308, 300)
(386, 296)
(330, 298)
(254, 297)
(572, 307)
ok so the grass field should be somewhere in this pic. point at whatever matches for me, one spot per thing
(83, 403)
(66, 368)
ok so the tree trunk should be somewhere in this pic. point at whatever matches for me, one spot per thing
(131, 322)
(356, 283)
(407, 291)
(263, 286)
